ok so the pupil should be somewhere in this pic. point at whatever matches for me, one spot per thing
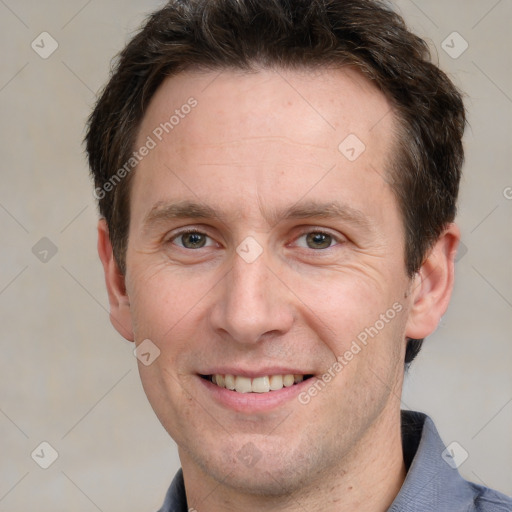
(319, 240)
(194, 239)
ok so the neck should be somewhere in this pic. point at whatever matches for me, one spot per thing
(367, 480)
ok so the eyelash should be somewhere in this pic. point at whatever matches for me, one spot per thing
(303, 233)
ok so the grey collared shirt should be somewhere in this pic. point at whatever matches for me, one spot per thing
(432, 484)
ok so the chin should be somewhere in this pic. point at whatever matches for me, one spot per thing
(267, 470)
(261, 481)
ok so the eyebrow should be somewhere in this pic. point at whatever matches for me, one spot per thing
(162, 213)
(325, 210)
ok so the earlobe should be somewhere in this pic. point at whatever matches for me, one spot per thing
(120, 314)
(433, 284)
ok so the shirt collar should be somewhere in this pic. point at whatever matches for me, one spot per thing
(432, 481)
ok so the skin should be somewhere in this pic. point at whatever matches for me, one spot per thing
(256, 144)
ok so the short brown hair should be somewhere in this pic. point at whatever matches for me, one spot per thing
(246, 34)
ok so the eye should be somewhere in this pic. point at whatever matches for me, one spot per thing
(317, 240)
(191, 239)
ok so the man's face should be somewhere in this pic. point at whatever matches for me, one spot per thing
(269, 286)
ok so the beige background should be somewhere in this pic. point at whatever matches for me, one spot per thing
(67, 378)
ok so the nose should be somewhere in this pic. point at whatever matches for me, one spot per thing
(254, 303)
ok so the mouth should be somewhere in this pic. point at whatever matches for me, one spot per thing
(261, 384)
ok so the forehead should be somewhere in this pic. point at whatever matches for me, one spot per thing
(325, 99)
(271, 130)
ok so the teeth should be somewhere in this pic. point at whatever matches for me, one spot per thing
(288, 380)
(229, 381)
(276, 382)
(243, 384)
(260, 385)
(263, 384)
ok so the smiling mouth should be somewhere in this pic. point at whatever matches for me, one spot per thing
(264, 384)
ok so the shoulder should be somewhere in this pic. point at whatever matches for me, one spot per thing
(489, 500)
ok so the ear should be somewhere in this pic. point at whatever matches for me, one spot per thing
(432, 287)
(120, 314)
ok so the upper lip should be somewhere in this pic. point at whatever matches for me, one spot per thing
(252, 373)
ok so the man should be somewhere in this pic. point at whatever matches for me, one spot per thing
(277, 184)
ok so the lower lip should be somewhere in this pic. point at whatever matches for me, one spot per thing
(254, 402)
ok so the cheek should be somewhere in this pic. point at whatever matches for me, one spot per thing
(344, 301)
(360, 322)
(160, 300)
